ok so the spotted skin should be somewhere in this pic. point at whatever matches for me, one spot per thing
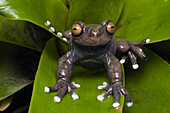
(98, 42)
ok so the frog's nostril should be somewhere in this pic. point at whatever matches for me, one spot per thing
(95, 33)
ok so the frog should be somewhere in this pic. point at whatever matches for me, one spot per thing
(96, 41)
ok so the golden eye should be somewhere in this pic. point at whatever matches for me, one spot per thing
(110, 28)
(76, 29)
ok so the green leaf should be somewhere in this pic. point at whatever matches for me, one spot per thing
(149, 85)
(16, 70)
(23, 33)
(36, 11)
(145, 19)
(89, 80)
(94, 12)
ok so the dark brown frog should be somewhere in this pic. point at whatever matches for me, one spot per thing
(97, 42)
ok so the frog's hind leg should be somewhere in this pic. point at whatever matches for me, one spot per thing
(64, 36)
(115, 87)
(64, 70)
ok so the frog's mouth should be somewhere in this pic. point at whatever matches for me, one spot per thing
(92, 41)
(92, 50)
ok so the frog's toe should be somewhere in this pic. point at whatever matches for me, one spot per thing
(75, 85)
(100, 97)
(103, 87)
(129, 104)
(62, 88)
(59, 34)
(116, 104)
(115, 89)
(148, 40)
(51, 89)
(104, 95)
(123, 59)
(74, 96)
(47, 23)
(61, 92)
(46, 89)
(65, 39)
(57, 99)
(135, 66)
(138, 51)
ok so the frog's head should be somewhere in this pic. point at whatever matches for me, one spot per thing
(92, 35)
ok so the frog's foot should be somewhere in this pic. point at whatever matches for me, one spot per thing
(62, 88)
(52, 29)
(115, 89)
(134, 50)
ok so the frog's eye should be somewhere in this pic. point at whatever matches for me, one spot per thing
(110, 28)
(76, 29)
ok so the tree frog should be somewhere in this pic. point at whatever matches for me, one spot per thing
(98, 42)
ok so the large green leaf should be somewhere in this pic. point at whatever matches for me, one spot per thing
(142, 19)
(16, 68)
(145, 19)
(88, 103)
(36, 11)
(149, 86)
(23, 33)
(94, 12)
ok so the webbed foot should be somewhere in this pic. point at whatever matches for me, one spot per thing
(132, 50)
(115, 89)
(62, 88)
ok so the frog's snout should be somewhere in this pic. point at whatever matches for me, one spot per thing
(95, 33)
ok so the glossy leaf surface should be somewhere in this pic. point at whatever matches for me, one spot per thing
(36, 11)
(23, 33)
(145, 19)
(94, 12)
(16, 71)
(149, 85)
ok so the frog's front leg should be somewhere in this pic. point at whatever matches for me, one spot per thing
(64, 70)
(131, 50)
(65, 36)
(115, 87)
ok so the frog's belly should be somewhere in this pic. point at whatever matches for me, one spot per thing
(90, 63)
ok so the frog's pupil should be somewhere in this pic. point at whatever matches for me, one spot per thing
(113, 27)
(74, 28)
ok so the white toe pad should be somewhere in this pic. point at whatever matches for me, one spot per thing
(148, 40)
(116, 104)
(57, 99)
(76, 85)
(100, 97)
(129, 104)
(59, 34)
(135, 66)
(47, 89)
(75, 96)
(47, 23)
(122, 61)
